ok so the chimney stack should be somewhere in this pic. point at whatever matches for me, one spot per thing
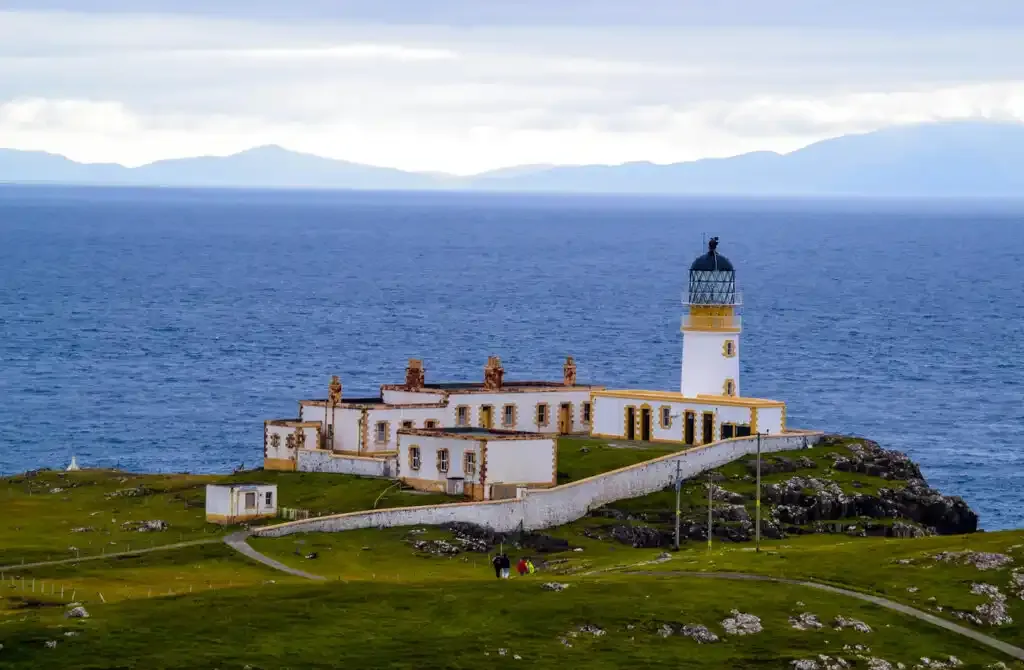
(569, 371)
(494, 374)
(415, 376)
(334, 391)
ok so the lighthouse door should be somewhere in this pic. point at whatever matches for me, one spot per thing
(630, 423)
(645, 424)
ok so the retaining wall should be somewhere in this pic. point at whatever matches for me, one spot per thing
(544, 508)
(319, 460)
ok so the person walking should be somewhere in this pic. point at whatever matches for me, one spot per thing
(529, 567)
(521, 567)
(506, 566)
(496, 562)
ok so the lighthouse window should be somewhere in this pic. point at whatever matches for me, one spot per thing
(586, 412)
(666, 417)
(729, 388)
(462, 415)
(729, 349)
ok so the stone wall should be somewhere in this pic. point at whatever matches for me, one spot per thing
(543, 508)
(318, 460)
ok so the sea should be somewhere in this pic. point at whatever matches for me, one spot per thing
(155, 329)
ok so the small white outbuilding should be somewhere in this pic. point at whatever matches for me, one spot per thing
(235, 503)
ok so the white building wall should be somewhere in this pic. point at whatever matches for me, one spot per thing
(394, 418)
(278, 449)
(429, 447)
(318, 460)
(411, 397)
(705, 366)
(769, 419)
(218, 500)
(521, 461)
(526, 408)
(544, 508)
(610, 417)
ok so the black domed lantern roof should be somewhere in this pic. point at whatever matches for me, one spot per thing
(712, 278)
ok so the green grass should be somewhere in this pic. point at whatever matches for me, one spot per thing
(579, 458)
(41, 511)
(464, 624)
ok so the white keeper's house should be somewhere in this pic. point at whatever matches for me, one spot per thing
(487, 439)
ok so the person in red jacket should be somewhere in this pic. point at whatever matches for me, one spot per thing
(522, 567)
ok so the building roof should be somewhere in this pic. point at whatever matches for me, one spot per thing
(712, 261)
(242, 485)
(700, 399)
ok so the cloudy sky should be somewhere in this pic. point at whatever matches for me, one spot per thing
(467, 85)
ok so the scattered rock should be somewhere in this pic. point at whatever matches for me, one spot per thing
(134, 492)
(565, 642)
(982, 560)
(77, 612)
(640, 537)
(554, 586)
(992, 613)
(70, 633)
(805, 621)
(83, 529)
(741, 624)
(436, 547)
(823, 662)
(722, 495)
(51, 644)
(155, 525)
(1017, 583)
(912, 589)
(841, 622)
(699, 633)
(596, 631)
(503, 652)
(517, 657)
(57, 490)
(952, 662)
(879, 664)
(665, 630)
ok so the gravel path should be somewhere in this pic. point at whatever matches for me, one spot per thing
(237, 541)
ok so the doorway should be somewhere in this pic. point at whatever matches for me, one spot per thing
(689, 427)
(565, 418)
(709, 428)
(631, 423)
(645, 424)
(486, 417)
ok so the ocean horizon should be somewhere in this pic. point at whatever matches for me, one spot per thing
(155, 329)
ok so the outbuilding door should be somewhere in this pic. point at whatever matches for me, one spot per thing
(565, 418)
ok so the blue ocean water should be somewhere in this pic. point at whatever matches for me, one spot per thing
(156, 329)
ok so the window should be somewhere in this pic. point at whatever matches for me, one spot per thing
(408, 424)
(729, 388)
(442, 460)
(542, 414)
(381, 433)
(728, 431)
(666, 416)
(462, 415)
(430, 423)
(330, 435)
(275, 441)
(729, 348)
(269, 499)
(414, 458)
(508, 416)
(289, 441)
(469, 465)
(586, 412)
(250, 501)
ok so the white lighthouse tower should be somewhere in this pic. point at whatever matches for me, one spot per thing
(711, 328)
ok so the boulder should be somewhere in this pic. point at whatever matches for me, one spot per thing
(641, 537)
(77, 613)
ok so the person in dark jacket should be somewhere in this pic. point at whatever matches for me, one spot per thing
(496, 562)
(506, 566)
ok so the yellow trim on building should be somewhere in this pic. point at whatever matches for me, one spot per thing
(702, 399)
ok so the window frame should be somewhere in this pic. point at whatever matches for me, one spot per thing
(505, 414)
(377, 431)
(408, 424)
(665, 416)
(249, 495)
(729, 348)
(546, 408)
(459, 421)
(430, 423)
(586, 412)
(268, 499)
(443, 457)
(415, 458)
(469, 464)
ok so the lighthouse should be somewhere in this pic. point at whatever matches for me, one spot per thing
(711, 328)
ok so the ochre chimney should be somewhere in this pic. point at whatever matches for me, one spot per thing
(334, 391)
(494, 374)
(569, 371)
(415, 376)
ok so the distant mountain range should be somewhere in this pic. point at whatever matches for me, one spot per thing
(965, 158)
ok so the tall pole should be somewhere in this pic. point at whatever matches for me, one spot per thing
(757, 505)
(679, 486)
(710, 485)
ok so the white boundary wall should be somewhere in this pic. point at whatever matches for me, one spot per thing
(543, 508)
(318, 460)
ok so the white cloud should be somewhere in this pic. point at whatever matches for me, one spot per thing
(133, 89)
